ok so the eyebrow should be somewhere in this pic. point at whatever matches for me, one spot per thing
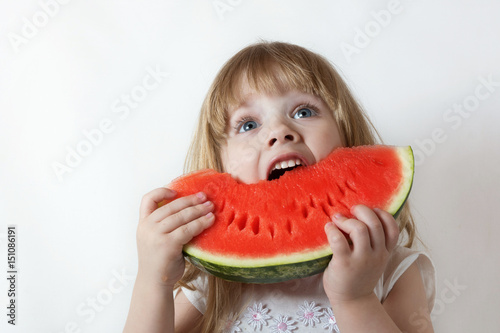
(244, 101)
(237, 111)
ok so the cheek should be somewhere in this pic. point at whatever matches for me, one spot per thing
(227, 157)
(334, 135)
(325, 144)
(242, 150)
(337, 140)
(238, 159)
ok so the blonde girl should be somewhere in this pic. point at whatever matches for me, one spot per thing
(271, 102)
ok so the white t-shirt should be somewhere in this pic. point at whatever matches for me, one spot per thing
(301, 305)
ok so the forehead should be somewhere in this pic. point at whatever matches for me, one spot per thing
(267, 77)
(245, 94)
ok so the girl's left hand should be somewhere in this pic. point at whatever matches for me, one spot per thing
(358, 264)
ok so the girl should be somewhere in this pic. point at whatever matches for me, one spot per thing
(277, 102)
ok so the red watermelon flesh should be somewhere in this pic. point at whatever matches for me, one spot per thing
(274, 230)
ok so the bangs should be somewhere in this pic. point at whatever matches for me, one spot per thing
(270, 70)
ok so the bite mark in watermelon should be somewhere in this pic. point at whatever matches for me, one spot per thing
(273, 231)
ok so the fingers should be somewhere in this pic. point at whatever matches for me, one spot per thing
(151, 200)
(370, 229)
(374, 227)
(391, 228)
(178, 205)
(357, 231)
(338, 242)
(184, 218)
(189, 230)
(176, 218)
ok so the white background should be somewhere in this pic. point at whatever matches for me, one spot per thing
(65, 68)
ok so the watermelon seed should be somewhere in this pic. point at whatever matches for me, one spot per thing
(325, 211)
(288, 226)
(341, 190)
(329, 199)
(242, 222)
(256, 226)
(271, 231)
(222, 205)
(305, 213)
(311, 202)
(350, 187)
(231, 219)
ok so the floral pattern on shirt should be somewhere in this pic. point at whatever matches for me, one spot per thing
(283, 325)
(309, 314)
(260, 318)
(331, 322)
(257, 316)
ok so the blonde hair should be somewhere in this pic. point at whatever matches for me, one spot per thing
(271, 67)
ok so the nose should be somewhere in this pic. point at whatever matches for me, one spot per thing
(281, 133)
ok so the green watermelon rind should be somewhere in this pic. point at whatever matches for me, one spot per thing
(229, 261)
(298, 265)
(407, 159)
(264, 274)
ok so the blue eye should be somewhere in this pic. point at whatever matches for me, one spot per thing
(248, 126)
(303, 113)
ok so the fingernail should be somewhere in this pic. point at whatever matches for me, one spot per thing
(209, 215)
(208, 203)
(200, 195)
(337, 216)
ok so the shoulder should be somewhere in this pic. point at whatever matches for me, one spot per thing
(197, 296)
(400, 262)
(408, 289)
(190, 304)
(186, 314)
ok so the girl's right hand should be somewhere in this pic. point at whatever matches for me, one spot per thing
(162, 233)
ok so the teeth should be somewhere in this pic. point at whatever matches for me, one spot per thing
(287, 164)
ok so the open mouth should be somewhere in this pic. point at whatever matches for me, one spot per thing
(275, 174)
(280, 168)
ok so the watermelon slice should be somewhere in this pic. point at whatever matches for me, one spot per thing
(273, 231)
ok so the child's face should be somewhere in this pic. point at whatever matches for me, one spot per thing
(287, 129)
